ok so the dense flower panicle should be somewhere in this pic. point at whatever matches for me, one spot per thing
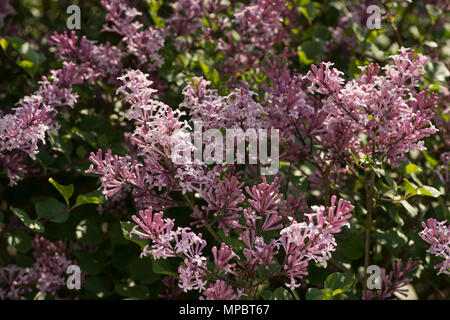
(14, 282)
(115, 171)
(262, 22)
(266, 200)
(158, 136)
(23, 129)
(335, 135)
(168, 242)
(258, 253)
(223, 204)
(386, 108)
(394, 283)
(191, 277)
(143, 44)
(291, 110)
(204, 104)
(94, 61)
(437, 234)
(313, 239)
(47, 274)
(120, 17)
(58, 92)
(187, 16)
(50, 264)
(220, 290)
(152, 224)
(325, 79)
(294, 205)
(223, 256)
(236, 110)
(260, 25)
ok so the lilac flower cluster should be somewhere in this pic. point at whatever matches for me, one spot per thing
(437, 234)
(143, 44)
(158, 132)
(168, 242)
(394, 283)
(311, 239)
(27, 125)
(94, 61)
(389, 109)
(46, 275)
(104, 61)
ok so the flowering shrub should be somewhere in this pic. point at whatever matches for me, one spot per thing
(141, 155)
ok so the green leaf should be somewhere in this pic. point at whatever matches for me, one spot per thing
(393, 213)
(50, 207)
(235, 244)
(96, 286)
(314, 294)
(205, 68)
(437, 70)
(304, 60)
(86, 199)
(263, 272)
(127, 226)
(59, 144)
(391, 182)
(391, 239)
(410, 188)
(412, 168)
(313, 49)
(141, 270)
(433, 12)
(428, 191)
(65, 191)
(412, 210)
(279, 293)
(338, 280)
(161, 266)
(20, 240)
(431, 161)
(3, 44)
(28, 66)
(30, 223)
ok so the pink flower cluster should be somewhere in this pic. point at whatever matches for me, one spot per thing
(313, 239)
(143, 44)
(236, 110)
(168, 242)
(389, 110)
(23, 129)
(437, 234)
(46, 275)
(94, 61)
(261, 26)
(104, 61)
(158, 132)
(393, 283)
(302, 241)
